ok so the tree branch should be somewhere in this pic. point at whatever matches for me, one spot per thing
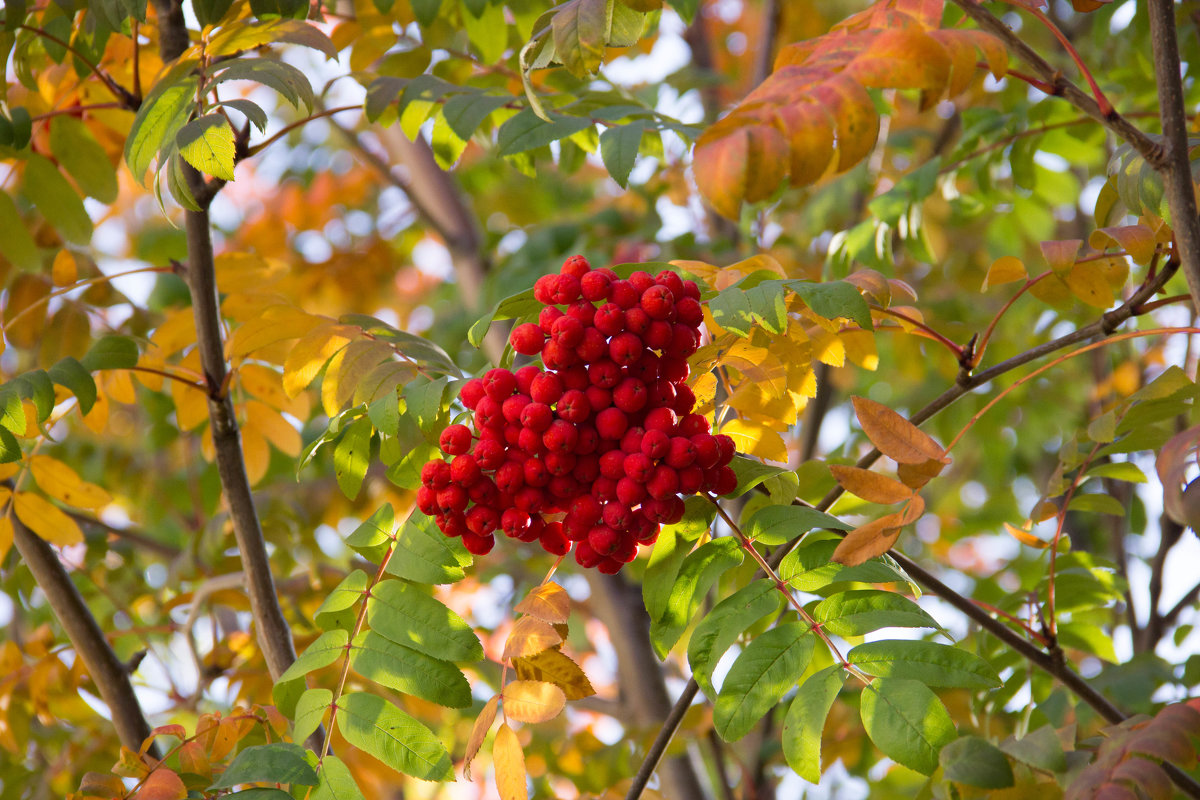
(1177, 168)
(1060, 86)
(109, 674)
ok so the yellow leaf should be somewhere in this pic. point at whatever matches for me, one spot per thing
(870, 486)
(1053, 291)
(310, 354)
(276, 323)
(548, 602)
(6, 535)
(1137, 240)
(175, 332)
(533, 701)
(528, 636)
(1005, 269)
(62, 483)
(46, 519)
(118, 385)
(255, 453)
(756, 439)
(1023, 535)
(479, 730)
(273, 427)
(705, 389)
(191, 403)
(828, 349)
(860, 348)
(895, 436)
(1090, 285)
(264, 383)
(345, 370)
(65, 271)
(509, 761)
(554, 666)
(239, 272)
(6, 472)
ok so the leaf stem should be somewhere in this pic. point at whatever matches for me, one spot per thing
(258, 148)
(120, 92)
(930, 333)
(987, 335)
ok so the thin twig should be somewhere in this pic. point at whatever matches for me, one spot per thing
(120, 92)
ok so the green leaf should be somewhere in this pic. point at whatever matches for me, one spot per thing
(15, 242)
(285, 79)
(71, 374)
(907, 722)
(426, 555)
(976, 762)
(310, 712)
(580, 28)
(37, 387)
(1118, 471)
(337, 611)
(521, 304)
(526, 131)
(207, 144)
(619, 149)
(164, 111)
(697, 573)
(1040, 748)
(279, 762)
(426, 403)
(929, 662)
(426, 11)
(833, 299)
(805, 721)
(336, 782)
(57, 200)
(666, 556)
(22, 127)
(750, 473)
(808, 568)
(464, 113)
(270, 9)
(326, 649)
(405, 614)
(260, 793)
(685, 9)
(773, 525)
(10, 448)
(862, 611)
(722, 626)
(373, 537)
(410, 671)
(251, 110)
(12, 411)
(1097, 504)
(78, 152)
(111, 352)
(764, 672)
(352, 456)
(210, 12)
(488, 32)
(377, 727)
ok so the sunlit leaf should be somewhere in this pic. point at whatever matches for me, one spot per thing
(907, 722)
(805, 721)
(374, 725)
(509, 761)
(532, 701)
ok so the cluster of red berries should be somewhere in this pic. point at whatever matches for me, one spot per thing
(597, 448)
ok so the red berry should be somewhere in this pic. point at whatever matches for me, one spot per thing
(624, 349)
(577, 266)
(513, 406)
(484, 492)
(637, 321)
(663, 483)
(690, 479)
(726, 480)
(671, 280)
(630, 395)
(605, 374)
(453, 523)
(455, 439)
(645, 531)
(604, 488)
(691, 289)
(692, 424)
(624, 294)
(639, 467)
(554, 539)
(685, 399)
(683, 342)
(681, 453)
(489, 414)
(689, 311)
(557, 357)
(609, 319)
(658, 335)
(527, 339)
(559, 463)
(514, 522)
(612, 464)
(708, 452)
(542, 288)
(631, 442)
(560, 437)
(537, 416)
(478, 545)
(536, 473)
(566, 290)
(593, 347)
(726, 448)
(529, 441)
(662, 393)
(436, 474)
(547, 317)
(598, 398)
(630, 491)
(641, 280)
(567, 331)
(427, 500)
(575, 377)
(489, 454)
(546, 388)
(510, 477)
(482, 520)
(585, 556)
(471, 393)
(499, 384)
(531, 499)
(464, 470)
(595, 286)
(574, 406)
(655, 444)
(611, 423)
(452, 498)
(525, 376)
(610, 565)
(661, 419)
(658, 302)
(603, 539)
(587, 465)
(646, 369)
(617, 516)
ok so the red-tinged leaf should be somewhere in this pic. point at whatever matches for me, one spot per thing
(917, 475)
(483, 723)
(809, 131)
(903, 58)
(1023, 535)
(178, 731)
(1005, 269)
(1032, 5)
(528, 636)
(1146, 775)
(162, 784)
(533, 701)
(1137, 240)
(130, 765)
(99, 784)
(867, 541)
(993, 50)
(738, 163)
(855, 115)
(895, 436)
(548, 602)
(870, 486)
(553, 666)
(1086, 6)
(1060, 255)
(1172, 465)
(1114, 791)
(963, 57)
(509, 760)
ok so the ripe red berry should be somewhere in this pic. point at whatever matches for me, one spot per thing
(689, 311)
(641, 280)
(692, 424)
(663, 483)
(604, 489)
(529, 441)
(478, 545)
(646, 369)
(489, 454)
(609, 319)
(554, 539)
(630, 491)
(661, 419)
(691, 289)
(630, 395)
(455, 439)
(726, 448)
(525, 376)
(565, 290)
(560, 437)
(683, 341)
(559, 463)
(436, 473)
(708, 452)
(471, 393)
(537, 416)
(452, 498)
(595, 285)
(536, 473)
(573, 406)
(662, 393)
(637, 321)
(624, 294)
(598, 398)
(557, 357)
(489, 414)
(585, 556)
(577, 266)
(542, 288)
(658, 302)
(726, 480)
(531, 499)
(639, 467)
(685, 399)
(655, 444)
(499, 384)
(690, 479)
(482, 520)
(611, 423)
(513, 406)
(631, 442)
(618, 517)
(464, 470)
(527, 339)
(567, 331)
(593, 347)
(510, 478)
(547, 317)
(427, 500)
(484, 491)
(587, 465)
(681, 453)
(514, 522)
(605, 374)
(612, 464)
(625, 349)
(658, 335)
(547, 388)
(453, 523)
(603, 539)
(671, 280)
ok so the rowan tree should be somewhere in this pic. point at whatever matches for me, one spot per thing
(617, 398)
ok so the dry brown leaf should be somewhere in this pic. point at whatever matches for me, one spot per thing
(917, 475)
(548, 602)
(870, 486)
(867, 541)
(895, 436)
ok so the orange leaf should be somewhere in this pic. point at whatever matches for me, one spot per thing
(64, 271)
(1137, 240)
(6, 535)
(273, 427)
(1089, 282)
(906, 58)
(1023, 535)
(553, 666)
(870, 486)
(737, 162)
(310, 354)
(162, 784)
(509, 761)
(1005, 269)
(1060, 255)
(130, 765)
(895, 436)
(530, 635)
(255, 453)
(483, 723)
(533, 701)
(917, 475)
(27, 291)
(46, 519)
(867, 541)
(99, 784)
(548, 602)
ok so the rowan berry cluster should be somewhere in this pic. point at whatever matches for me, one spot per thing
(597, 448)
